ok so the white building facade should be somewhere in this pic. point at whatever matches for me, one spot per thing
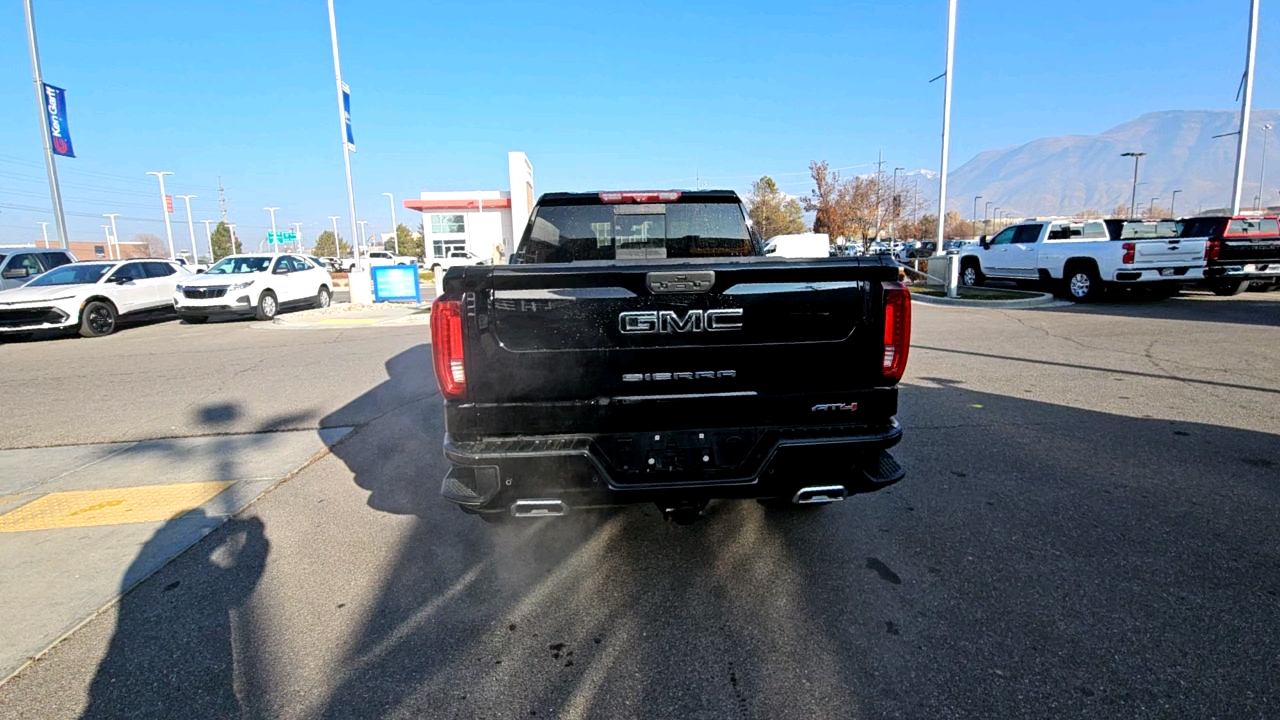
(478, 221)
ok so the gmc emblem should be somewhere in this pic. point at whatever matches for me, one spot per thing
(653, 322)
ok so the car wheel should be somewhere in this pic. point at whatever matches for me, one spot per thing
(267, 306)
(1229, 288)
(971, 275)
(196, 319)
(323, 298)
(1083, 284)
(98, 318)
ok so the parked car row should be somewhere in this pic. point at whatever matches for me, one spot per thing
(1082, 258)
(93, 298)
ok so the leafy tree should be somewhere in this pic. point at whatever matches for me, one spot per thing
(824, 200)
(324, 246)
(408, 242)
(772, 212)
(221, 239)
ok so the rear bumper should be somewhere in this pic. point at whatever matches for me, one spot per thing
(1159, 274)
(491, 475)
(1244, 271)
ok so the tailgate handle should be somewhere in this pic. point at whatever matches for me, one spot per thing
(667, 283)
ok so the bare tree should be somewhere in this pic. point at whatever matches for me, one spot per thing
(156, 246)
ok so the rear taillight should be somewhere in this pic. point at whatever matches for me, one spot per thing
(897, 331)
(647, 196)
(446, 348)
(1129, 250)
(1212, 250)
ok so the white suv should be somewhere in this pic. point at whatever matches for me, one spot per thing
(91, 297)
(258, 284)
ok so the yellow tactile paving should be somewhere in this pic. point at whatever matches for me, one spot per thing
(113, 506)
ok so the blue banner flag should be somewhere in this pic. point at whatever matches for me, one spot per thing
(346, 116)
(55, 111)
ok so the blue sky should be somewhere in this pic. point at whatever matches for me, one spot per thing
(617, 95)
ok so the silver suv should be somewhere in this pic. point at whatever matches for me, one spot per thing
(18, 265)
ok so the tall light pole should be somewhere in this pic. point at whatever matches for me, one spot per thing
(106, 230)
(1262, 179)
(1246, 106)
(44, 231)
(342, 129)
(986, 213)
(946, 126)
(115, 235)
(55, 190)
(1172, 203)
(395, 229)
(1133, 199)
(976, 198)
(208, 236)
(337, 247)
(272, 210)
(191, 228)
(364, 239)
(297, 235)
(1151, 208)
(231, 230)
(164, 207)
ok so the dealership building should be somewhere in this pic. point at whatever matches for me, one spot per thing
(478, 221)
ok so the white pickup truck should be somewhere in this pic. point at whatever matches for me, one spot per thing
(1083, 257)
(455, 257)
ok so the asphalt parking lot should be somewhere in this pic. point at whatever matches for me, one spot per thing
(1090, 527)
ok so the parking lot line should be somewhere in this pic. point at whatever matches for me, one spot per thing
(112, 506)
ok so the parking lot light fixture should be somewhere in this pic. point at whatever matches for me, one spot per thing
(164, 207)
(1262, 178)
(337, 249)
(231, 228)
(115, 236)
(297, 235)
(44, 231)
(191, 228)
(272, 210)
(364, 237)
(1151, 209)
(394, 228)
(1172, 203)
(1246, 107)
(1133, 199)
(208, 236)
(986, 218)
(946, 126)
(976, 198)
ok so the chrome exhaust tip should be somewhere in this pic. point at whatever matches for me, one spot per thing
(539, 508)
(820, 494)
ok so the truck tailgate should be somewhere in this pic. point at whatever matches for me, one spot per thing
(1169, 252)
(571, 340)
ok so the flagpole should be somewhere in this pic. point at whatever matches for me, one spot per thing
(55, 191)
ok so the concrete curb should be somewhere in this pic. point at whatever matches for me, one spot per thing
(1040, 300)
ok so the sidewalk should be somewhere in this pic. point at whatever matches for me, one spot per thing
(348, 315)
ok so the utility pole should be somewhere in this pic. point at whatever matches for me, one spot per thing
(946, 129)
(208, 236)
(297, 235)
(1133, 199)
(342, 129)
(191, 228)
(1172, 203)
(164, 208)
(114, 234)
(222, 200)
(1246, 107)
(50, 166)
(395, 229)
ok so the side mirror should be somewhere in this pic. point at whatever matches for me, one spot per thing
(984, 242)
(200, 270)
(15, 273)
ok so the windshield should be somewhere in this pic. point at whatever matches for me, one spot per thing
(239, 265)
(568, 233)
(71, 275)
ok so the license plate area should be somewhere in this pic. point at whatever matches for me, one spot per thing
(685, 455)
(1166, 272)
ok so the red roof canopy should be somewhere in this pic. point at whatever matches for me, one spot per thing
(463, 204)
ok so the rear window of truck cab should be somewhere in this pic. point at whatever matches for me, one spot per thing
(573, 231)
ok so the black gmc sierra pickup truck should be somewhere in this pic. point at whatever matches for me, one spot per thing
(1242, 251)
(639, 348)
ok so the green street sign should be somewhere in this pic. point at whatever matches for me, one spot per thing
(282, 238)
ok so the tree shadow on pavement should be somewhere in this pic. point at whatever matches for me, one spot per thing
(173, 651)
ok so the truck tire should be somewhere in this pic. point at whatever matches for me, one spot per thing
(1083, 283)
(1227, 289)
(971, 274)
